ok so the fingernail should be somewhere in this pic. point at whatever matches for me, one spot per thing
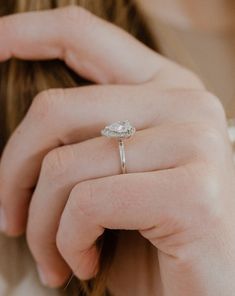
(42, 275)
(3, 224)
(48, 277)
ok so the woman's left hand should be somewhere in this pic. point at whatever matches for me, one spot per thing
(179, 190)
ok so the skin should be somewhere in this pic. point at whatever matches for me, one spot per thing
(179, 189)
(200, 15)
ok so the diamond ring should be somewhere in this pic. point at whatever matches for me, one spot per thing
(120, 130)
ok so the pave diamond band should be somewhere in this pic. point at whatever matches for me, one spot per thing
(120, 130)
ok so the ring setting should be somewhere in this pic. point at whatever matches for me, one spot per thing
(120, 130)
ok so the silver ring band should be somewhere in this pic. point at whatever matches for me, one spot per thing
(122, 155)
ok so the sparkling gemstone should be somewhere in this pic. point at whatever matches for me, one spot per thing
(119, 129)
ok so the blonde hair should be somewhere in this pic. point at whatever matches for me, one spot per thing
(20, 81)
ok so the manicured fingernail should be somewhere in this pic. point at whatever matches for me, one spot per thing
(42, 275)
(3, 223)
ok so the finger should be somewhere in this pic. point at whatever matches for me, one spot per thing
(132, 202)
(94, 48)
(64, 167)
(63, 117)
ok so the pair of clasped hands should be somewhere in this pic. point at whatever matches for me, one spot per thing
(179, 192)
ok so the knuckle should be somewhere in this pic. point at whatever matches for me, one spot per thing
(207, 140)
(207, 193)
(203, 105)
(74, 14)
(213, 108)
(209, 136)
(45, 104)
(55, 164)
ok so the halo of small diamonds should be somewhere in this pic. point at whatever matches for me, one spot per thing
(119, 129)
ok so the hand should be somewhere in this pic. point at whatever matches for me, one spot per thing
(179, 190)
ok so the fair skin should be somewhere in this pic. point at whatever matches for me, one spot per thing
(199, 35)
(179, 190)
(209, 15)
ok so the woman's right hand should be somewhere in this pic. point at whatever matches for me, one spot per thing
(182, 127)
